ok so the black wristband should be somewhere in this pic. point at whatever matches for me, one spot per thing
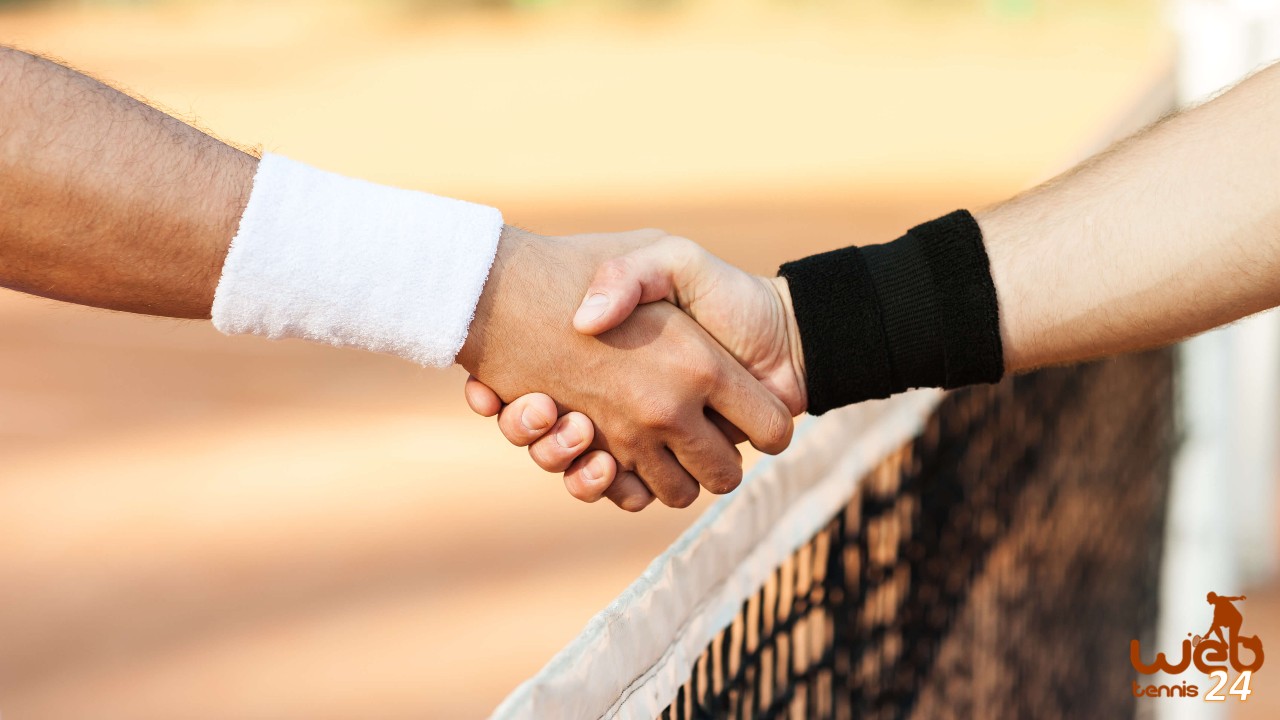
(920, 311)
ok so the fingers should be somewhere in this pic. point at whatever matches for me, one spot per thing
(629, 492)
(746, 404)
(708, 456)
(646, 275)
(562, 447)
(734, 435)
(668, 480)
(569, 437)
(588, 476)
(591, 476)
(480, 398)
(527, 418)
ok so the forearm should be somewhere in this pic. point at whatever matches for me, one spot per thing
(105, 201)
(1166, 235)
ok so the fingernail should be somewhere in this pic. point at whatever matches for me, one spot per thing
(589, 474)
(592, 308)
(532, 420)
(569, 436)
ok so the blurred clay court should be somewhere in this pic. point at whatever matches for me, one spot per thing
(201, 527)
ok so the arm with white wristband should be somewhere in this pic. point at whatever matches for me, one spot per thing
(107, 202)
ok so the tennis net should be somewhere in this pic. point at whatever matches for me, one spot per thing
(984, 553)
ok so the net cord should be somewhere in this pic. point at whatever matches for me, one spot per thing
(631, 659)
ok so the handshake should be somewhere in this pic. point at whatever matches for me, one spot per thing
(633, 363)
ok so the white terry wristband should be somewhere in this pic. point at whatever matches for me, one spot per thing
(350, 263)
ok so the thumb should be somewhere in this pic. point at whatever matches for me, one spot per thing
(647, 275)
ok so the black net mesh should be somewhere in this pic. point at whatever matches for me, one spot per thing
(995, 567)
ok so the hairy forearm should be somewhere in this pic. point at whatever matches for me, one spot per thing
(1167, 234)
(105, 201)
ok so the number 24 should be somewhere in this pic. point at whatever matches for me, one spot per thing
(1239, 687)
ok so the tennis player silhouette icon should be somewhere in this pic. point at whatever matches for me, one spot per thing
(1226, 618)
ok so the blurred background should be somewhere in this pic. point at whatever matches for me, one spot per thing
(193, 526)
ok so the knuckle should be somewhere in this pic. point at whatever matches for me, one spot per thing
(678, 243)
(659, 415)
(614, 270)
(691, 361)
(705, 372)
(681, 247)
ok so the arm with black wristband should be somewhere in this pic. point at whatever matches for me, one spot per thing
(920, 311)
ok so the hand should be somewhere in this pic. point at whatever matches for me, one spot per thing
(658, 388)
(749, 315)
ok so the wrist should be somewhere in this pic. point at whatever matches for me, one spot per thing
(791, 340)
(1019, 338)
(513, 244)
